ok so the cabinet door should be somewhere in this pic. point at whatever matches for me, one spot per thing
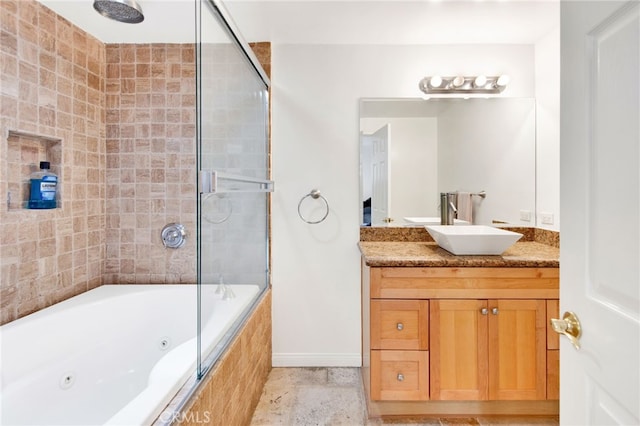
(517, 349)
(458, 349)
(400, 324)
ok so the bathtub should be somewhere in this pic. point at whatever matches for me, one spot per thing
(114, 355)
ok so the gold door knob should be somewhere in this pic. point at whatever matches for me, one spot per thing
(570, 326)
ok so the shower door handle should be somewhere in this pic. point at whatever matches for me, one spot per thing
(209, 183)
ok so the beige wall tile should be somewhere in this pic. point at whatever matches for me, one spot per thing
(50, 98)
(137, 146)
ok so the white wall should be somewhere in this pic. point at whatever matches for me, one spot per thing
(316, 88)
(490, 148)
(547, 71)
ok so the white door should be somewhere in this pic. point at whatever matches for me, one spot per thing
(600, 209)
(380, 193)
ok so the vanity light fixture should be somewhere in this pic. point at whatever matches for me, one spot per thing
(463, 85)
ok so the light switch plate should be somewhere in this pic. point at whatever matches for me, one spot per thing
(525, 215)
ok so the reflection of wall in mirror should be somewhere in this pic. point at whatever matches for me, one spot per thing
(413, 169)
(490, 146)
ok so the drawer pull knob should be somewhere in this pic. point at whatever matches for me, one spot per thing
(399, 326)
(400, 377)
(484, 311)
(494, 311)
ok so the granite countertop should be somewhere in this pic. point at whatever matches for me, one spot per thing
(526, 254)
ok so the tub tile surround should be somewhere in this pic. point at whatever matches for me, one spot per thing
(53, 80)
(231, 390)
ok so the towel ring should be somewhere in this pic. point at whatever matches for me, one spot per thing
(315, 194)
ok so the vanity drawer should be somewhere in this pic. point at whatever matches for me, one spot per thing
(400, 375)
(400, 324)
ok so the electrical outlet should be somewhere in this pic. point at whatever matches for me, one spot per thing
(525, 215)
(546, 218)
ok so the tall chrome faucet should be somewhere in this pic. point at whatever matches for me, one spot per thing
(448, 208)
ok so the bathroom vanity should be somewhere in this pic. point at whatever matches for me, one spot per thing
(448, 335)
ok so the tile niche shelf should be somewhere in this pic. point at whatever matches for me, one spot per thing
(24, 153)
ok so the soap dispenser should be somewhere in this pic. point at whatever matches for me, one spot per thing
(43, 188)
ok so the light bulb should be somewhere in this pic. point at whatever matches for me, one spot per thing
(458, 81)
(480, 81)
(436, 81)
(503, 80)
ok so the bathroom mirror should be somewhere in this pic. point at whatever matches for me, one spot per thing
(411, 150)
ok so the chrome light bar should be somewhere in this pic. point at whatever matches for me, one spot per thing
(459, 84)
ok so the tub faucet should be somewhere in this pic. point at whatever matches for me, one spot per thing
(228, 293)
(225, 290)
(448, 208)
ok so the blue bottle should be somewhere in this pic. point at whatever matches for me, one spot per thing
(43, 188)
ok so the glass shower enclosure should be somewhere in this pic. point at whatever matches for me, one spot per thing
(233, 179)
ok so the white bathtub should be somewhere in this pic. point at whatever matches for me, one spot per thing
(113, 355)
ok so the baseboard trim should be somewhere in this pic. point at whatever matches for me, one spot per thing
(316, 360)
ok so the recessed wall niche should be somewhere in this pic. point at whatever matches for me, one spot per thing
(25, 151)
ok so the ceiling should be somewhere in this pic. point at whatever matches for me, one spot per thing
(386, 22)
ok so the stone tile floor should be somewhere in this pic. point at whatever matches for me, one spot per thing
(334, 396)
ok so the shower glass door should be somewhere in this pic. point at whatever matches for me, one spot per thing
(233, 185)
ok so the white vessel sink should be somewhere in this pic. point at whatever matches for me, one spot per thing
(435, 220)
(473, 239)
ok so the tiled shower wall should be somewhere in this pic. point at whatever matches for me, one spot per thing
(151, 161)
(125, 117)
(53, 87)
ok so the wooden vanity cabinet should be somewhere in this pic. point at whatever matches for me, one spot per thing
(459, 341)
